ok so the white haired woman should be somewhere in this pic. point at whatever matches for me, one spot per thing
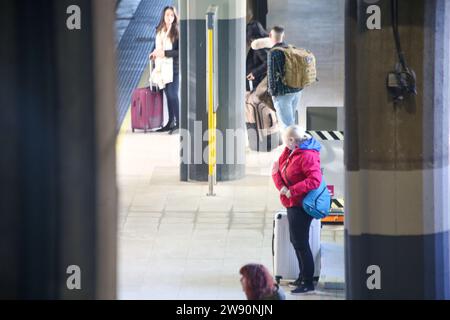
(295, 174)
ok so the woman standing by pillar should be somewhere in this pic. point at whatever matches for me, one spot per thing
(165, 75)
(295, 174)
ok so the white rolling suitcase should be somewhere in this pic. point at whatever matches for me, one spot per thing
(285, 263)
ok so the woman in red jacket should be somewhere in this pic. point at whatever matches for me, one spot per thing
(295, 174)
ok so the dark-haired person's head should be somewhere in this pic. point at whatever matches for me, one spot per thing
(170, 19)
(255, 31)
(277, 34)
(257, 282)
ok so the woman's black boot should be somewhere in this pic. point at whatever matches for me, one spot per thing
(166, 128)
(174, 127)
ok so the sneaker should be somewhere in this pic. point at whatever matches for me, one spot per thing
(295, 284)
(303, 288)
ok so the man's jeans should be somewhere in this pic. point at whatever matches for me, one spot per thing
(286, 106)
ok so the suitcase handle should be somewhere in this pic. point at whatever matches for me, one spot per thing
(260, 122)
(273, 240)
(152, 66)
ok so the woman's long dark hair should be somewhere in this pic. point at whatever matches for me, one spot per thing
(255, 31)
(174, 31)
(260, 282)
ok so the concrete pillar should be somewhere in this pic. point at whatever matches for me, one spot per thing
(58, 196)
(231, 95)
(397, 158)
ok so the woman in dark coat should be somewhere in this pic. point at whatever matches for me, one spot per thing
(256, 64)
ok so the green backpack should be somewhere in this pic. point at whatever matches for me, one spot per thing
(300, 67)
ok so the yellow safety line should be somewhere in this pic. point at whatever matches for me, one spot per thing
(126, 125)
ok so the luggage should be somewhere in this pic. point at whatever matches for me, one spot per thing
(285, 263)
(300, 67)
(317, 203)
(262, 124)
(147, 107)
(262, 93)
(147, 111)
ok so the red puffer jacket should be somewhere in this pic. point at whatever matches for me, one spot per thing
(298, 170)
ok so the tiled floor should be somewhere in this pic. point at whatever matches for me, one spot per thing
(177, 243)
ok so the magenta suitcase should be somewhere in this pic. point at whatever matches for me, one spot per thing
(147, 109)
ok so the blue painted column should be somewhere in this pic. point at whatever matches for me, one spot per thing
(397, 157)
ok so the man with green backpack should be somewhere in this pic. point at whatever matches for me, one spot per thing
(290, 70)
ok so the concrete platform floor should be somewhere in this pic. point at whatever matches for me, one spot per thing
(177, 243)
